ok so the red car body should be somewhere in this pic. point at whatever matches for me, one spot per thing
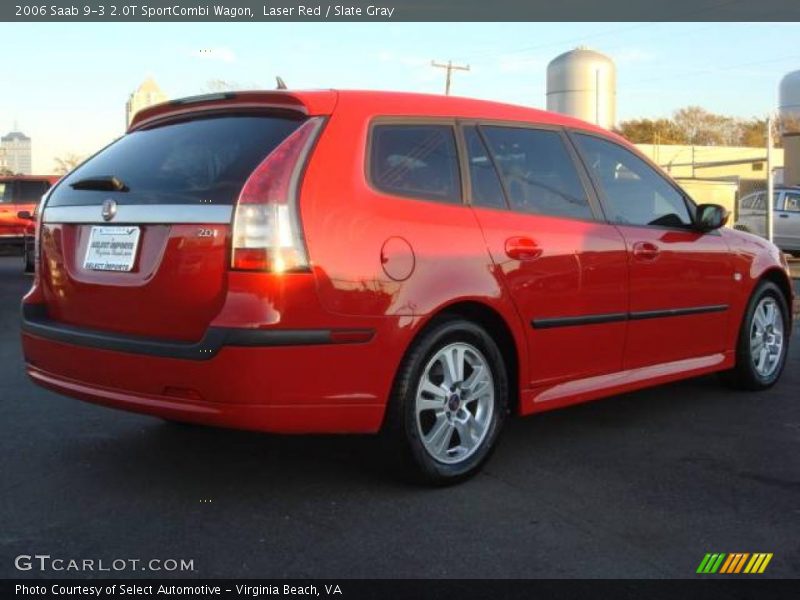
(20, 193)
(581, 308)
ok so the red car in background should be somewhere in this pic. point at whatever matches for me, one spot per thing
(370, 261)
(19, 199)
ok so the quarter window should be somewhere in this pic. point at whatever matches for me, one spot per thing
(5, 192)
(539, 174)
(634, 192)
(419, 161)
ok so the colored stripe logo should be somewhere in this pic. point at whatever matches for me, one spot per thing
(735, 563)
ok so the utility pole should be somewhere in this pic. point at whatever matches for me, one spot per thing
(450, 67)
(770, 206)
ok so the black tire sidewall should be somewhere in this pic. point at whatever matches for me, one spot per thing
(27, 259)
(439, 336)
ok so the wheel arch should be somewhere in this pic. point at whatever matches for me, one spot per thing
(784, 283)
(510, 343)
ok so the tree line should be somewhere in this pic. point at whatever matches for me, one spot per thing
(697, 126)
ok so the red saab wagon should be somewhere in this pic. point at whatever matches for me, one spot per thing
(362, 261)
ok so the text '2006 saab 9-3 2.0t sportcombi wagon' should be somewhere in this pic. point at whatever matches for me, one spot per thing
(364, 261)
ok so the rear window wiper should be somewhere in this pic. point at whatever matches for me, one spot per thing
(103, 183)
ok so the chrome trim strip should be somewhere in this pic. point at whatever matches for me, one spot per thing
(141, 213)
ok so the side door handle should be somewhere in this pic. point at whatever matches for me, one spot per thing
(646, 250)
(783, 215)
(522, 248)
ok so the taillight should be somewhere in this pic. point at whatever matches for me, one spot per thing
(267, 235)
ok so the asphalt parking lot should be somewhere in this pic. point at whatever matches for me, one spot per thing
(641, 485)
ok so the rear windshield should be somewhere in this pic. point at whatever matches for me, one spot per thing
(200, 160)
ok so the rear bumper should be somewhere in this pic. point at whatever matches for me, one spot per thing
(36, 322)
(321, 418)
(303, 383)
(12, 239)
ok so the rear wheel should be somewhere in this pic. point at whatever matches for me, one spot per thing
(763, 340)
(449, 402)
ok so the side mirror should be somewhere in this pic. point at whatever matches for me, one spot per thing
(711, 217)
(25, 214)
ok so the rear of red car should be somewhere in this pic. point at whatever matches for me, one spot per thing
(20, 194)
(174, 278)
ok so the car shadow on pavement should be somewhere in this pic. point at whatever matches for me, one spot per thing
(147, 452)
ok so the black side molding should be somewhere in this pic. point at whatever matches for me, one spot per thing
(676, 312)
(582, 320)
(550, 322)
(36, 322)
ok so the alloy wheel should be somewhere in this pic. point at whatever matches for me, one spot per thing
(766, 337)
(455, 402)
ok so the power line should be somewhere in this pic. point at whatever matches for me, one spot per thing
(574, 40)
(723, 68)
(562, 42)
(450, 67)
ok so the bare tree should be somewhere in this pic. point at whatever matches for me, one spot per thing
(65, 164)
(705, 128)
(651, 131)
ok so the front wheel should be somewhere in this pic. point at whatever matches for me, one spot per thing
(449, 402)
(763, 340)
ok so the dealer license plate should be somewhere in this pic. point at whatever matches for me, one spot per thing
(112, 248)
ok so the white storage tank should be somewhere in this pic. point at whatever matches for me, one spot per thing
(582, 83)
(789, 95)
(789, 110)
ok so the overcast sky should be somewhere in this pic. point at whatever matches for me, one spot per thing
(66, 85)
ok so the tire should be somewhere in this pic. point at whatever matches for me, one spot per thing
(27, 259)
(748, 373)
(428, 441)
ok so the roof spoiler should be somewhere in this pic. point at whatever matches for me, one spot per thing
(310, 103)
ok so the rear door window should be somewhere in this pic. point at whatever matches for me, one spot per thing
(418, 161)
(6, 192)
(204, 160)
(539, 174)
